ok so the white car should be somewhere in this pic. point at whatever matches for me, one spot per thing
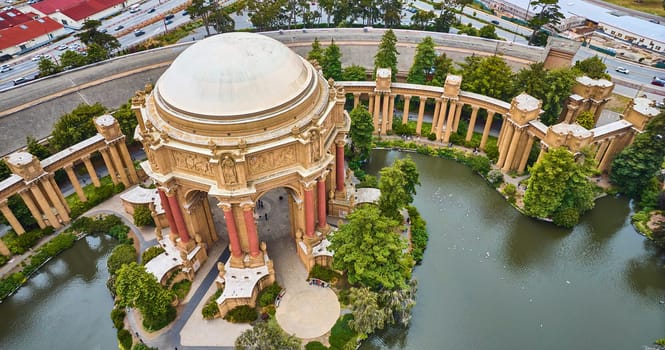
(63, 47)
(5, 68)
(37, 58)
(622, 70)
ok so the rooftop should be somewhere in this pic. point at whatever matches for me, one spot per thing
(26, 31)
(75, 9)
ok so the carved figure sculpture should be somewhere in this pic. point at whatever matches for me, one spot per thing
(229, 171)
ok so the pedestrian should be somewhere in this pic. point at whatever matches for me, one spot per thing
(266, 216)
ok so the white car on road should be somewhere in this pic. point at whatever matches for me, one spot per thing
(622, 70)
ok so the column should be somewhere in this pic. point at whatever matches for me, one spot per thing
(236, 250)
(458, 115)
(486, 131)
(377, 110)
(45, 206)
(421, 113)
(177, 217)
(609, 155)
(33, 208)
(91, 171)
(58, 192)
(435, 117)
(384, 114)
(339, 166)
(13, 222)
(503, 151)
(391, 111)
(472, 123)
(356, 99)
(117, 161)
(601, 151)
(407, 102)
(525, 155)
(124, 152)
(441, 118)
(167, 211)
(321, 199)
(500, 139)
(3, 249)
(55, 199)
(449, 122)
(75, 182)
(543, 150)
(250, 225)
(370, 106)
(109, 165)
(309, 208)
(514, 143)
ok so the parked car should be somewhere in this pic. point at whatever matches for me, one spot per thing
(139, 32)
(167, 21)
(37, 57)
(5, 57)
(169, 16)
(495, 22)
(63, 47)
(22, 80)
(185, 13)
(622, 70)
(658, 81)
(152, 10)
(119, 27)
(5, 68)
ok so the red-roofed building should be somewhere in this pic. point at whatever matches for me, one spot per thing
(15, 17)
(72, 13)
(29, 35)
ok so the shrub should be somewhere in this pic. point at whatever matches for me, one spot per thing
(3, 260)
(341, 334)
(10, 283)
(119, 232)
(431, 136)
(322, 273)
(125, 339)
(118, 318)
(370, 181)
(48, 250)
(269, 294)
(182, 288)
(122, 254)
(153, 324)
(210, 309)
(142, 216)
(141, 346)
(419, 235)
(151, 253)
(566, 218)
(315, 345)
(495, 177)
(20, 244)
(491, 149)
(479, 164)
(509, 190)
(242, 314)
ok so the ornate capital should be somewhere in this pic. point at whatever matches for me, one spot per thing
(308, 185)
(247, 206)
(225, 206)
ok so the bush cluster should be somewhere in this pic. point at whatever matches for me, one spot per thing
(151, 253)
(120, 255)
(242, 314)
(110, 225)
(95, 195)
(323, 273)
(181, 288)
(210, 310)
(142, 216)
(125, 339)
(419, 236)
(269, 294)
(315, 345)
(118, 317)
(341, 335)
(20, 244)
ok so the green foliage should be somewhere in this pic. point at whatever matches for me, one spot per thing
(269, 294)
(119, 232)
(362, 127)
(151, 253)
(142, 216)
(341, 335)
(445, 20)
(386, 55)
(442, 67)
(479, 164)
(490, 76)
(127, 121)
(125, 339)
(210, 310)
(142, 346)
(37, 149)
(47, 67)
(182, 288)
(4, 260)
(242, 314)
(638, 163)
(135, 287)
(495, 177)
(19, 244)
(593, 67)
(72, 59)
(369, 248)
(11, 283)
(558, 182)
(550, 86)
(4, 170)
(468, 29)
(75, 126)
(660, 341)
(509, 190)
(367, 314)
(95, 195)
(410, 173)
(317, 52)
(423, 67)
(267, 335)
(323, 273)
(354, 73)
(121, 255)
(545, 12)
(90, 36)
(315, 345)
(650, 194)
(118, 317)
(49, 250)
(419, 236)
(422, 19)
(488, 31)
(394, 195)
(566, 217)
(332, 62)
(586, 120)
(491, 149)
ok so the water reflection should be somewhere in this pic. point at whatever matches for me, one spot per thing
(644, 274)
(531, 243)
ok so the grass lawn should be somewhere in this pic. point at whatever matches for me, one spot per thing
(654, 7)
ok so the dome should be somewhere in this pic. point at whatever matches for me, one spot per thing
(233, 74)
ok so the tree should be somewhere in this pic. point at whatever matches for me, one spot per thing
(593, 67)
(368, 316)
(490, 76)
(442, 67)
(47, 67)
(586, 120)
(72, 59)
(422, 70)
(266, 14)
(488, 32)
(90, 35)
(142, 216)
(332, 62)
(75, 126)
(552, 87)
(546, 12)
(410, 174)
(266, 335)
(37, 149)
(152, 253)
(386, 56)
(135, 287)
(559, 184)
(354, 73)
(4, 170)
(371, 250)
(222, 21)
(638, 163)
(127, 121)
(394, 195)
(96, 53)
(445, 20)
(391, 10)
(421, 19)
(362, 128)
(121, 255)
(462, 4)
(316, 53)
(399, 302)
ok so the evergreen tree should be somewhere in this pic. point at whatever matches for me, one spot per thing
(423, 67)
(386, 56)
(488, 32)
(552, 87)
(316, 53)
(47, 67)
(394, 195)
(362, 128)
(490, 76)
(332, 62)
(354, 73)
(593, 67)
(442, 67)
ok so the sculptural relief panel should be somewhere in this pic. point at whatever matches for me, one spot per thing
(192, 163)
(272, 160)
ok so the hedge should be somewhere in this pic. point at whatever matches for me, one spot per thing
(95, 196)
(315, 345)
(322, 273)
(242, 314)
(341, 334)
(269, 294)
(125, 339)
(419, 235)
(118, 317)
(20, 244)
(210, 310)
(151, 253)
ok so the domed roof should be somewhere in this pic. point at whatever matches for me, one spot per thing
(233, 74)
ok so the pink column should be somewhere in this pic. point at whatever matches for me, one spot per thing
(179, 220)
(167, 210)
(236, 251)
(252, 236)
(339, 167)
(321, 197)
(309, 211)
